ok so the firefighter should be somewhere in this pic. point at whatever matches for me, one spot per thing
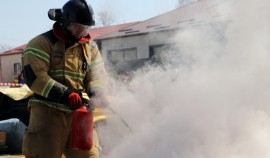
(58, 66)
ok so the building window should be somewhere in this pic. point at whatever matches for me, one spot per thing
(162, 52)
(157, 52)
(123, 55)
(17, 68)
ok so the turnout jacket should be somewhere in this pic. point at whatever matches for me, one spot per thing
(54, 67)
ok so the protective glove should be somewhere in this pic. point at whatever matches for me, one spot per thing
(74, 101)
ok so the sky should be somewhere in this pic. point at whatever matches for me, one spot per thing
(22, 20)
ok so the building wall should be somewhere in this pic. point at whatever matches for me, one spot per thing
(7, 67)
(140, 42)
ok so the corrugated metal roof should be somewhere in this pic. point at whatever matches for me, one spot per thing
(16, 50)
(180, 17)
(95, 33)
(101, 31)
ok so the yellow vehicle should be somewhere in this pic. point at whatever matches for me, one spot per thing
(13, 104)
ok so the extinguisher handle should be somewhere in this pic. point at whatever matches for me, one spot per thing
(89, 104)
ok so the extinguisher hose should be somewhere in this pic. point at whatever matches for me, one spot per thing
(121, 118)
(89, 104)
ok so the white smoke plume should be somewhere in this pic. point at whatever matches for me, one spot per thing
(211, 100)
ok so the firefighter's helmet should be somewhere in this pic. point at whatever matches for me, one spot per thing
(74, 11)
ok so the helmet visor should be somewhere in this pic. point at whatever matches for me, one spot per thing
(78, 30)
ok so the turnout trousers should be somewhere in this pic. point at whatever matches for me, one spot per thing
(49, 135)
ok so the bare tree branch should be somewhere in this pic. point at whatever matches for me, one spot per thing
(4, 48)
(106, 18)
(185, 2)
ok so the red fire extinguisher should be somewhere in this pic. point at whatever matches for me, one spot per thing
(82, 128)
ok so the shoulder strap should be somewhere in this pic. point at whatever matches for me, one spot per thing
(57, 47)
(50, 35)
